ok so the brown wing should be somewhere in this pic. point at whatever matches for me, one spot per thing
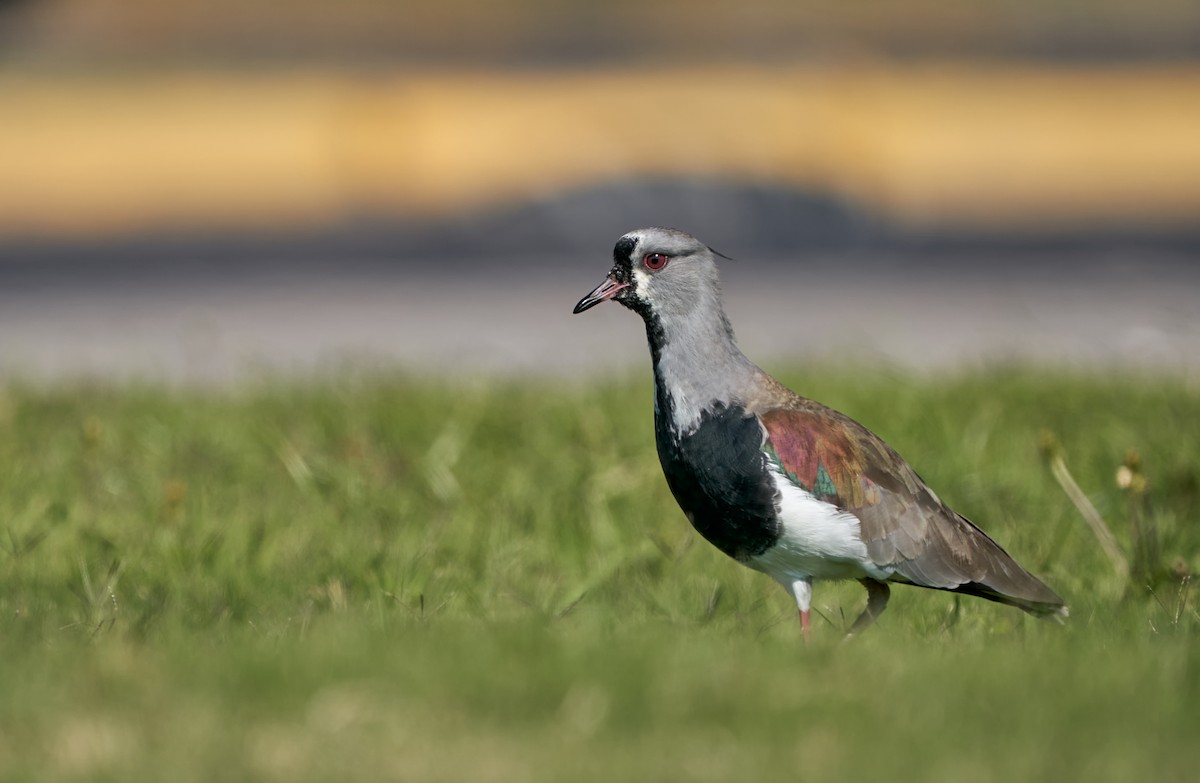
(904, 525)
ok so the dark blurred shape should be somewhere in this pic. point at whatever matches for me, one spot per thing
(753, 217)
(746, 218)
(749, 221)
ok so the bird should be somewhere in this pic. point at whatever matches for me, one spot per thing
(781, 483)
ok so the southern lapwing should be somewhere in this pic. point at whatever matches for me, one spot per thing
(778, 482)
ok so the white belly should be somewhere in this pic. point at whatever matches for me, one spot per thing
(818, 541)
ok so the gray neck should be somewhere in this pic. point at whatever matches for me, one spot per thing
(697, 364)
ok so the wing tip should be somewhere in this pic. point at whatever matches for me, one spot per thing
(1055, 610)
(1059, 614)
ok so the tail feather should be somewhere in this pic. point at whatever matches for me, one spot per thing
(969, 561)
(1047, 606)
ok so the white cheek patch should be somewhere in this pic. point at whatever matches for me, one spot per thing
(644, 289)
(641, 282)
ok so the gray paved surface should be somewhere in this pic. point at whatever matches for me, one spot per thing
(514, 317)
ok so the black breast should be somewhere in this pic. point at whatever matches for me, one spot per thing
(718, 474)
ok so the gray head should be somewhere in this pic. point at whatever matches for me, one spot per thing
(662, 274)
(670, 279)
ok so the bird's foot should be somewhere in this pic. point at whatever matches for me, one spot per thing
(877, 599)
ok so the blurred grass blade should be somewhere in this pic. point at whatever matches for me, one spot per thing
(1108, 542)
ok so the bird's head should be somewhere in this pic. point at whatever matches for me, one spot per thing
(658, 273)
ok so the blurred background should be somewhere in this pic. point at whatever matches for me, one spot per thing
(202, 190)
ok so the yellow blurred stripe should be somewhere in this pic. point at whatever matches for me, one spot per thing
(927, 145)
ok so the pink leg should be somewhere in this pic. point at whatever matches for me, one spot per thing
(802, 592)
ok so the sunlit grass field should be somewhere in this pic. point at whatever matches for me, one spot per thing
(374, 577)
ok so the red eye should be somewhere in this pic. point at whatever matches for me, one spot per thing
(655, 261)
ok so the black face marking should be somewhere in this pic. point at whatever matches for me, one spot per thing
(622, 272)
(718, 475)
(623, 251)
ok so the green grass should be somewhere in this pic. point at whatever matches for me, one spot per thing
(374, 578)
